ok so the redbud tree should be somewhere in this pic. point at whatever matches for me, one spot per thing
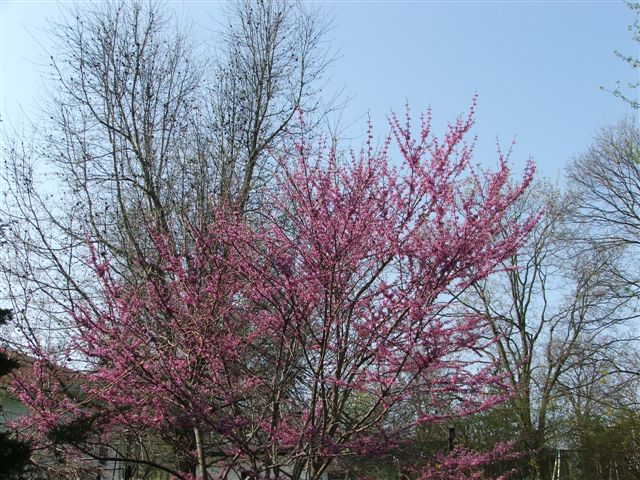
(322, 326)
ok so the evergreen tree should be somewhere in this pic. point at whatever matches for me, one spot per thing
(14, 453)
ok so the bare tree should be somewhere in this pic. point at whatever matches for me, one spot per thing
(543, 308)
(141, 132)
(601, 391)
(605, 188)
(271, 61)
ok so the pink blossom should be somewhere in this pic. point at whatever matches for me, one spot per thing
(299, 336)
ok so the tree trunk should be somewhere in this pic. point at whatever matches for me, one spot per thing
(202, 466)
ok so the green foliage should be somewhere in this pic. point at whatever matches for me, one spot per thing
(14, 457)
(610, 445)
(14, 453)
(76, 430)
(484, 430)
(6, 364)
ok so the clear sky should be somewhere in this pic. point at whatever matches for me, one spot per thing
(537, 67)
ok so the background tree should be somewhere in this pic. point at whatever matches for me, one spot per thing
(270, 68)
(604, 184)
(605, 187)
(142, 130)
(546, 304)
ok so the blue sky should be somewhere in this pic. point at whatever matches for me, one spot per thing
(537, 67)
